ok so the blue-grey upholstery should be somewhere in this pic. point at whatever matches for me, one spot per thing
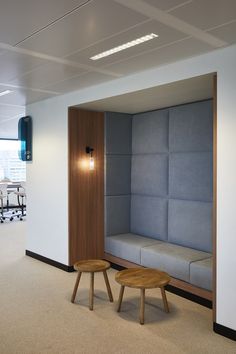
(149, 216)
(190, 176)
(128, 246)
(201, 273)
(117, 215)
(118, 133)
(191, 127)
(190, 224)
(118, 130)
(159, 189)
(150, 132)
(150, 174)
(173, 259)
(118, 169)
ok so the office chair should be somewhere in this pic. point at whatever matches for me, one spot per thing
(21, 194)
(4, 195)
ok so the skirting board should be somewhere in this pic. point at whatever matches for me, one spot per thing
(50, 261)
(224, 331)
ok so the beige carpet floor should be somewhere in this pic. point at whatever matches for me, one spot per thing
(36, 315)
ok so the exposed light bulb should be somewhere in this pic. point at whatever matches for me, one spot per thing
(91, 163)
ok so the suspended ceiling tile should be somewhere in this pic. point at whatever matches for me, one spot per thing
(16, 97)
(80, 82)
(226, 33)
(47, 75)
(165, 5)
(177, 51)
(14, 64)
(165, 33)
(22, 97)
(19, 19)
(205, 14)
(84, 27)
(31, 96)
(10, 111)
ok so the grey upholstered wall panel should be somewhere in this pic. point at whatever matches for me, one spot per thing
(118, 132)
(191, 176)
(118, 170)
(150, 174)
(150, 132)
(191, 127)
(117, 215)
(190, 224)
(149, 216)
(118, 135)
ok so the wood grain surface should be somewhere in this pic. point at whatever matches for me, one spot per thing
(92, 265)
(86, 187)
(144, 278)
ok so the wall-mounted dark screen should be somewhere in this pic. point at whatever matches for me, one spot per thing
(25, 137)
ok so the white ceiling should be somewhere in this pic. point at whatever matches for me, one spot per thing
(45, 45)
(185, 91)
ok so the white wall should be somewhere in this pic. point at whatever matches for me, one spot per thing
(48, 235)
(47, 215)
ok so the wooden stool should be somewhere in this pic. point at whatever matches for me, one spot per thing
(142, 278)
(92, 266)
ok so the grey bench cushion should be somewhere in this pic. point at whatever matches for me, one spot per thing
(127, 246)
(201, 273)
(171, 258)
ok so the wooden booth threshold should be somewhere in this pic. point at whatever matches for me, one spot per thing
(176, 286)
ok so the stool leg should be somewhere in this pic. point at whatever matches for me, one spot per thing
(163, 293)
(108, 286)
(91, 291)
(142, 305)
(76, 287)
(122, 288)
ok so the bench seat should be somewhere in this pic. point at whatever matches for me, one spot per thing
(128, 246)
(171, 258)
(201, 273)
(184, 263)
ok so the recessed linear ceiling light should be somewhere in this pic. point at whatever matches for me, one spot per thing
(6, 92)
(124, 46)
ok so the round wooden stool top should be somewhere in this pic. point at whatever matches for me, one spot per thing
(92, 265)
(142, 278)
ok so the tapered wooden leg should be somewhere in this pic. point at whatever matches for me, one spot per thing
(91, 291)
(142, 306)
(76, 287)
(108, 286)
(122, 288)
(166, 306)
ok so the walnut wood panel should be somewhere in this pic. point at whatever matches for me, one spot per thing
(214, 216)
(86, 187)
(175, 282)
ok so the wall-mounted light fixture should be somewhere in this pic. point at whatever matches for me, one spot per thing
(89, 151)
